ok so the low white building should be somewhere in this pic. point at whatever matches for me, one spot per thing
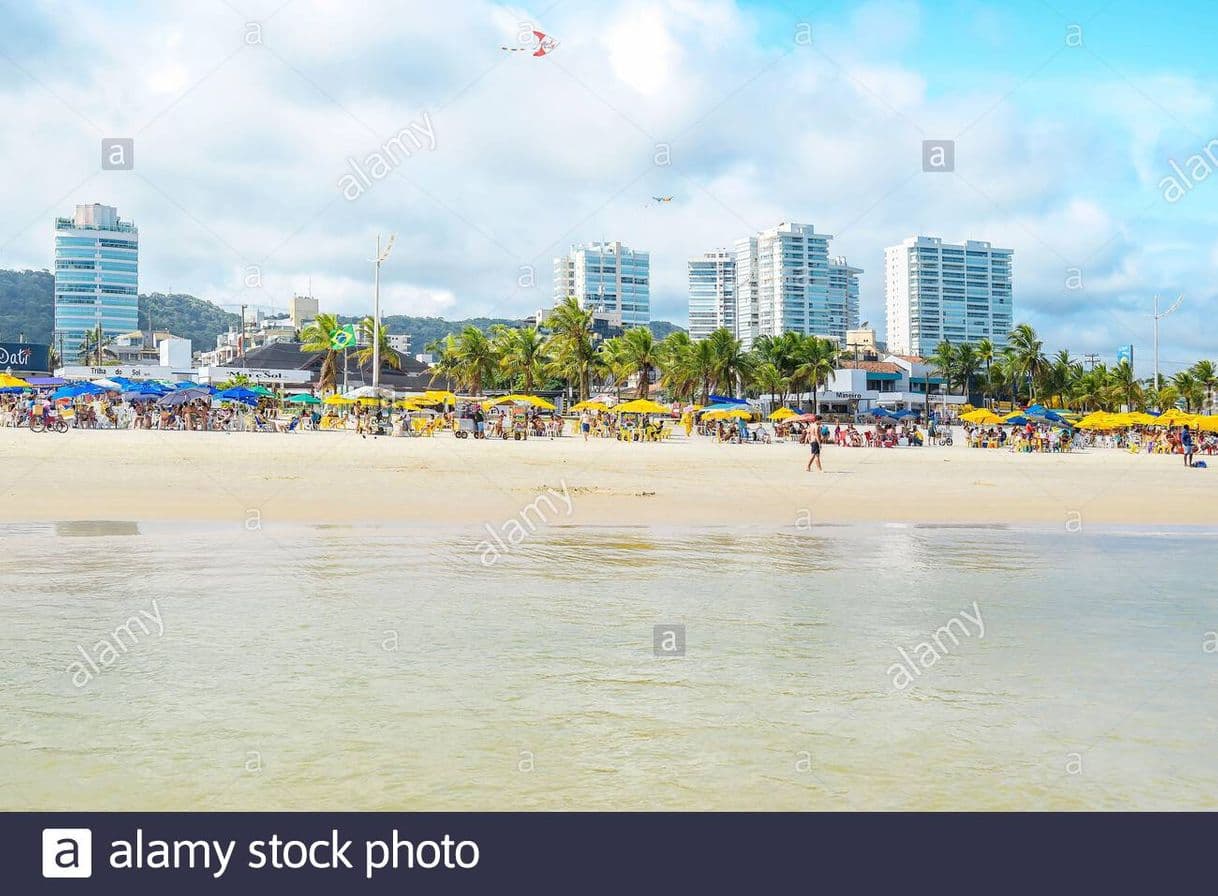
(894, 382)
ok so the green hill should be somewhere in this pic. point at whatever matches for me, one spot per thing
(27, 297)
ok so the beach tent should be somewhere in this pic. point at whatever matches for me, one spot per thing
(783, 414)
(641, 406)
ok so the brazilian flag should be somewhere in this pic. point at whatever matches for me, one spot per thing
(343, 338)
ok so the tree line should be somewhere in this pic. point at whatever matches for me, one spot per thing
(787, 366)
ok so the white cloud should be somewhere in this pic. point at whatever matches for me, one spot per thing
(237, 161)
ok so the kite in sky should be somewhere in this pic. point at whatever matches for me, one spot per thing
(545, 44)
(662, 198)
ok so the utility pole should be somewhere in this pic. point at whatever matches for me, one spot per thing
(1158, 316)
(1092, 360)
(376, 309)
(241, 338)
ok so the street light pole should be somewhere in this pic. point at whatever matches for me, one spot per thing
(1159, 316)
(376, 308)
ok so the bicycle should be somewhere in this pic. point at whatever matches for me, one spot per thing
(52, 424)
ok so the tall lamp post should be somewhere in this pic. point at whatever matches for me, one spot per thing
(1158, 316)
(376, 309)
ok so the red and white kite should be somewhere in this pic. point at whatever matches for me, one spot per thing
(545, 44)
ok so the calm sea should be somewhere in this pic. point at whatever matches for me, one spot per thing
(345, 668)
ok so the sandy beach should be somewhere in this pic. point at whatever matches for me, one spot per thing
(318, 478)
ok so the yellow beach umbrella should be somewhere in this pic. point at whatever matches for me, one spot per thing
(338, 399)
(783, 414)
(641, 406)
(982, 417)
(1173, 417)
(1207, 424)
(1098, 420)
(12, 382)
(439, 395)
(737, 414)
(534, 400)
(1140, 418)
(590, 406)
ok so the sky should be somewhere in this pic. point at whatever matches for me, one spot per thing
(250, 118)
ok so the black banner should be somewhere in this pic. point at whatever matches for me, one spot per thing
(25, 356)
(134, 853)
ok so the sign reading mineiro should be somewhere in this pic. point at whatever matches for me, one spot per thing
(24, 356)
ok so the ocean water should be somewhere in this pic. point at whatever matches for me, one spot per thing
(349, 668)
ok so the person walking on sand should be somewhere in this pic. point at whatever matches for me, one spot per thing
(814, 447)
(1186, 442)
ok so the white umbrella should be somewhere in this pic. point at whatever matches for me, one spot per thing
(370, 392)
(107, 384)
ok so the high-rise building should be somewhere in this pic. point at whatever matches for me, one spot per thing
(608, 277)
(301, 310)
(96, 275)
(946, 292)
(786, 282)
(712, 293)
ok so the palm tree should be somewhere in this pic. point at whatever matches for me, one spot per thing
(768, 379)
(967, 364)
(447, 363)
(817, 362)
(523, 355)
(1123, 383)
(1028, 350)
(95, 347)
(389, 357)
(476, 359)
(985, 355)
(676, 369)
(943, 362)
(702, 363)
(1207, 378)
(1190, 390)
(316, 338)
(1061, 376)
(640, 354)
(731, 363)
(573, 350)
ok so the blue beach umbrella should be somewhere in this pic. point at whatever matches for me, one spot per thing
(239, 393)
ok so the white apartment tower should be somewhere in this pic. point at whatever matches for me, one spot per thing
(946, 292)
(608, 277)
(787, 282)
(712, 293)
